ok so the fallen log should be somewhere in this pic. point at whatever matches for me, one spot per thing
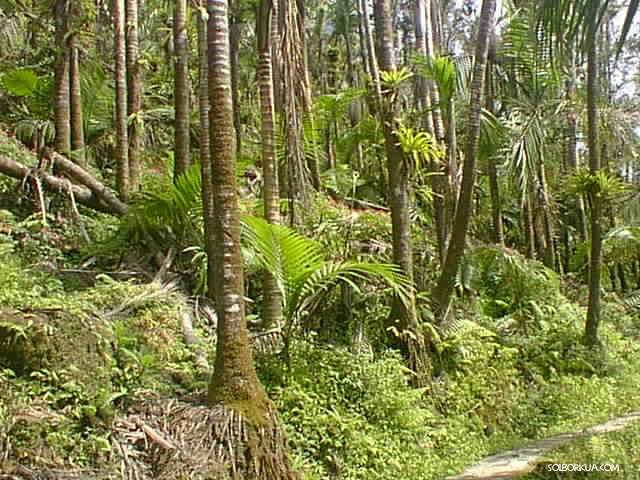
(100, 199)
(104, 193)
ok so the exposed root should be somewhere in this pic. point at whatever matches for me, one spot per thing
(169, 439)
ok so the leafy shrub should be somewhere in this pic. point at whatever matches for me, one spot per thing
(352, 415)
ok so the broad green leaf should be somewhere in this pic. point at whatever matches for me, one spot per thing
(20, 83)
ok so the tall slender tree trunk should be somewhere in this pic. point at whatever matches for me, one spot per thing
(234, 378)
(134, 92)
(234, 383)
(77, 124)
(492, 169)
(443, 292)
(373, 60)
(403, 315)
(122, 137)
(549, 239)
(595, 261)
(272, 303)
(572, 151)
(423, 96)
(235, 35)
(181, 89)
(295, 93)
(528, 226)
(61, 106)
(205, 144)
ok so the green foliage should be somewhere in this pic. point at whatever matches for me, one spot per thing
(420, 147)
(353, 416)
(443, 71)
(621, 244)
(392, 80)
(603, 184)
(168, 212)
(512, 285)
(21, 82)
(304, 275)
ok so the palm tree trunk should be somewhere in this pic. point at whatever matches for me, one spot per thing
(492, 170)
(205, 146)
(235, 35)
(528, 225)
(61, 106)
(444, 290)
(234, 383)
(423, 96)
(134, 93)
(595, 261)
(272, 303)
(181, 89)
(77, 124)
(403, 317)
(295, 93)
(234, 378)
(572, 155)
(373, 61)
(549, 250)
(122, 138)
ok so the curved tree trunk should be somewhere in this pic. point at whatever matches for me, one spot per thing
(272, 303)
(134, 93)
(181, 89)
(61, 107)
(595, 261)
(444, 290)
(122, 137)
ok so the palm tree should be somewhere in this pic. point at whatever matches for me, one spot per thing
(134, 92)
(595, 198)
(272, 309)
(444, 289)
(235, 35)
(122, 139)
(403, 319)
(566, 20)
(61, 103)
(181, 89)
(234, 383)
(206, 185)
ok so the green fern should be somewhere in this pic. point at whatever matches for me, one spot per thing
(302, 272)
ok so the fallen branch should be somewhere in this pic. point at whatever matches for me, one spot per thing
(155, 436)
(84, 196)
(355, 203)
(74, 170)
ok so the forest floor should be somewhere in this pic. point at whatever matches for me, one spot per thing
(520, 461)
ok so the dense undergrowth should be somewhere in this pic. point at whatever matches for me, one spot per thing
(512, 368)
(79, 348)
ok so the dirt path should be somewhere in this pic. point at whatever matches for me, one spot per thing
(523, 460)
